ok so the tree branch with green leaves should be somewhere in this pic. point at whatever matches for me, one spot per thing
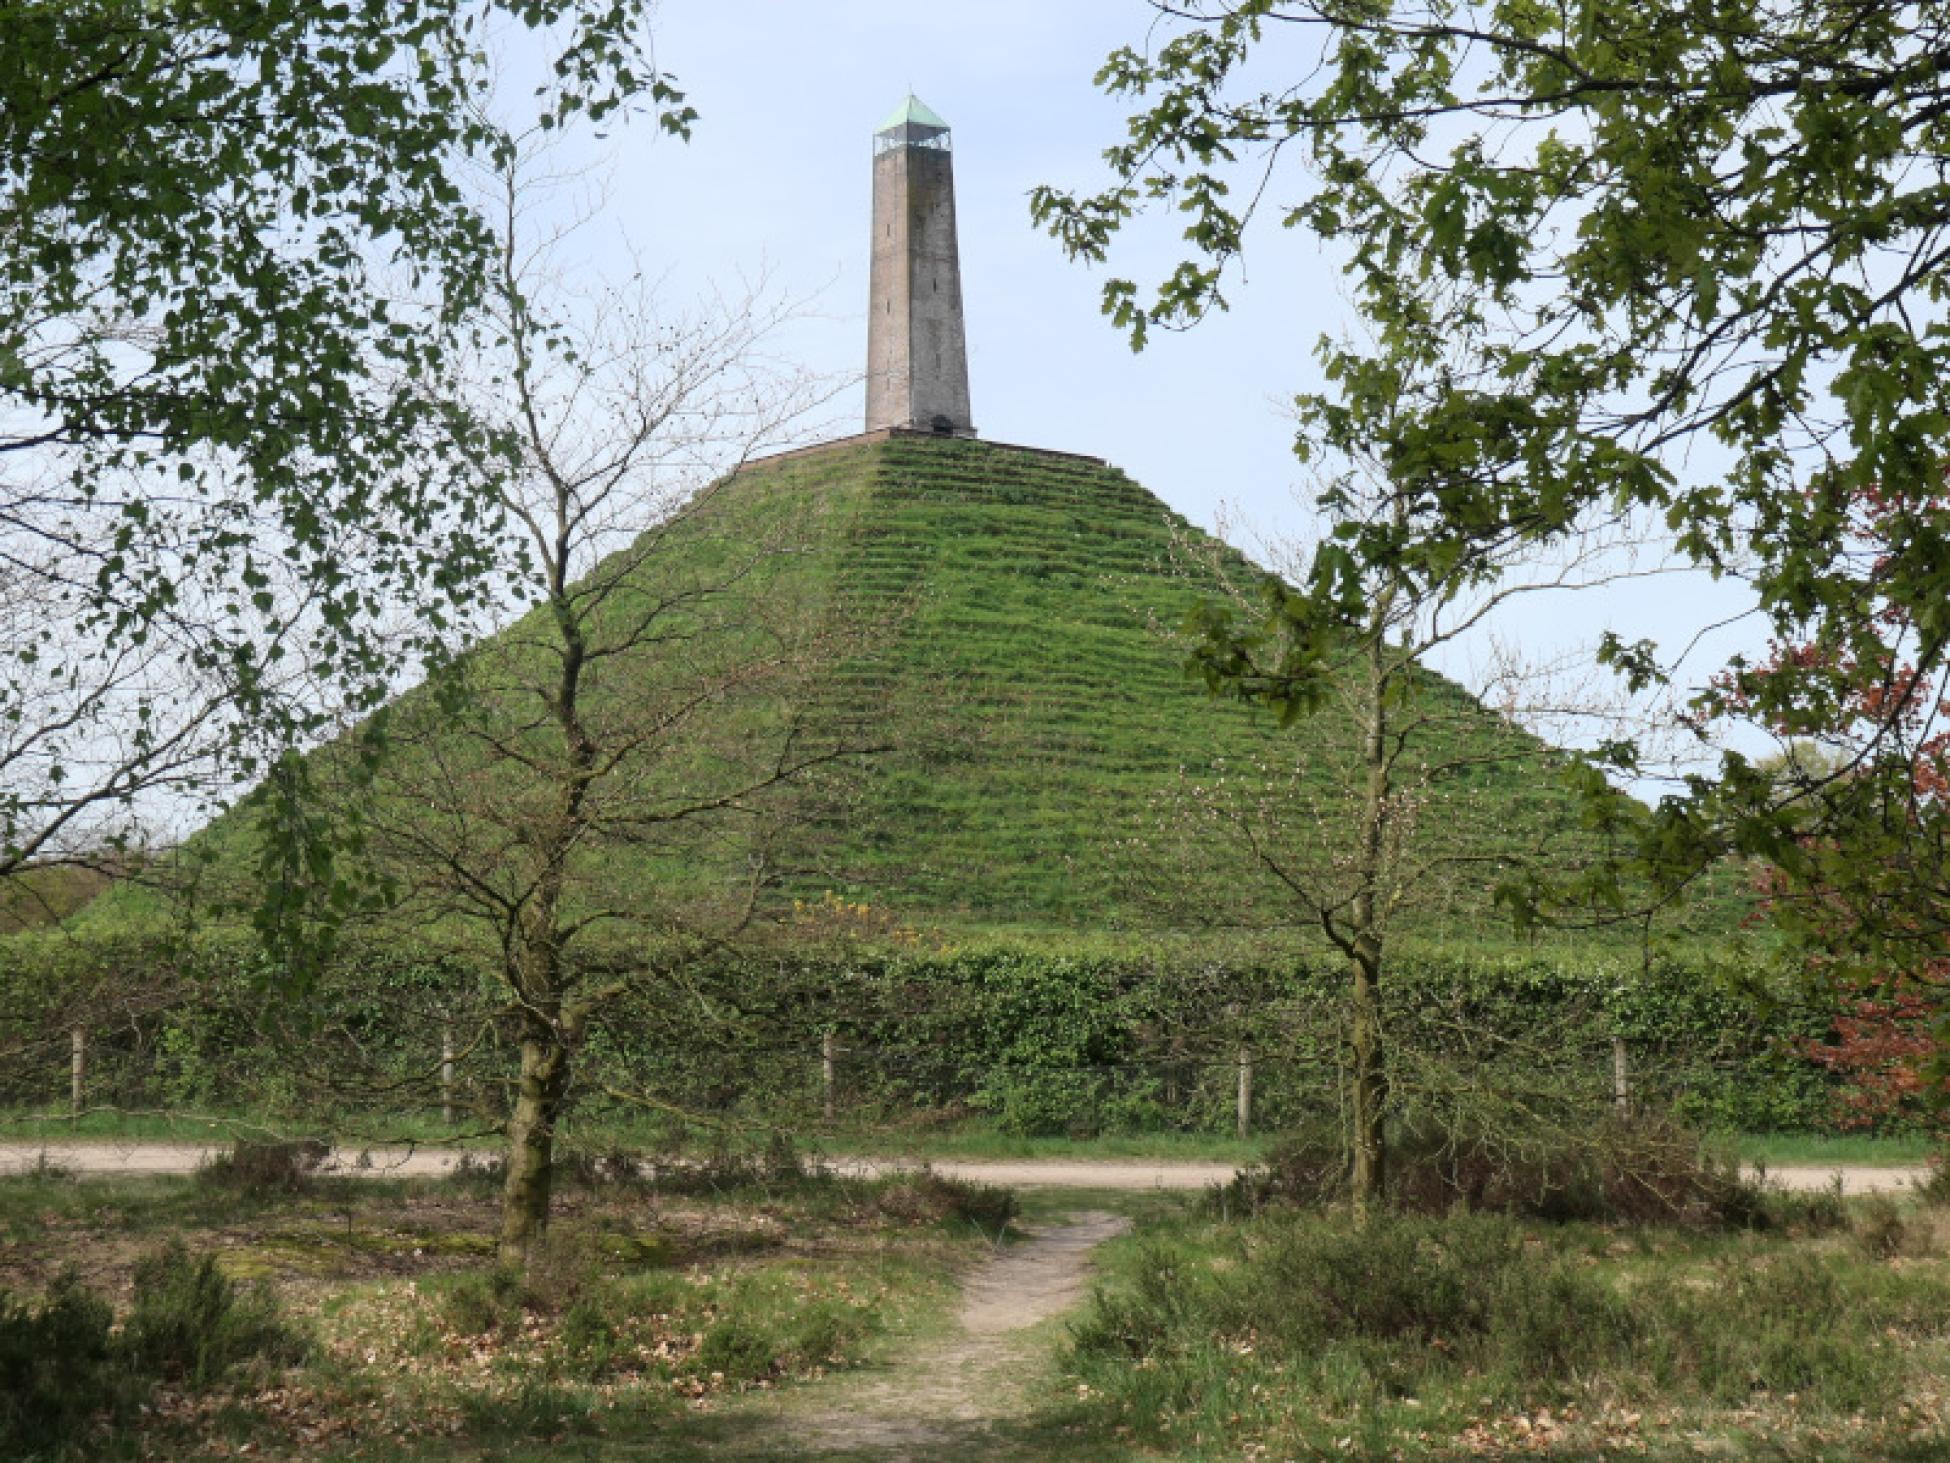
(1686, 261)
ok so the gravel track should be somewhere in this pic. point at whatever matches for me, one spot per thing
(1123, 1174)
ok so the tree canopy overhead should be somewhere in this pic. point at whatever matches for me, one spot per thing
(213, 186)
(237, 260)
(1687, 259)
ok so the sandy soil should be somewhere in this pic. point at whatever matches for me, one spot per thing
(1126, 1174)
(113, 1156)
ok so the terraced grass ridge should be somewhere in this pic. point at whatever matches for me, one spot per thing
(1047, 747)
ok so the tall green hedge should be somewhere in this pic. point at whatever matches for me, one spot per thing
(1044, 1038)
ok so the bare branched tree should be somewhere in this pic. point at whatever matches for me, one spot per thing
(1391, 795)
(582, 799)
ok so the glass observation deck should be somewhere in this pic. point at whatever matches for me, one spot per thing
(914, 124)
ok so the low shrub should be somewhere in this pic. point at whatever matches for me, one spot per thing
(1644, 1171)
(1880, 1229)
(764, 1334)
(738, 1349)
(1306, 1285)
(1806, 1212)
(567, 1265)
(479, 1302)
(1813, 1325)
(47, 1170)
(728, 1169)
(1297, 1315)
(1305, 1169)
(574, 1274)
(481, 1175)
(536, 1406)
(929, 1198)
(262, 1170)
(821, 1333)
(608, 1168)
(55, 1367)
(191, 1324)
(62, 1365)
(782, 1159)
(1886, 1230)
(1640, 1171)
(746, 1326)
(1935, 1190)
(590, 1338)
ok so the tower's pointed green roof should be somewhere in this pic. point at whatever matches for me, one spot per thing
(914, 113)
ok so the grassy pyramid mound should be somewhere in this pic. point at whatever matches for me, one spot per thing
(1030, 685)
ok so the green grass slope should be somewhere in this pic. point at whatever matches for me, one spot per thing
(1024, 670)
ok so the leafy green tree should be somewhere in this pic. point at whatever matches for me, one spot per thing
(237, 267)
(1685, 259)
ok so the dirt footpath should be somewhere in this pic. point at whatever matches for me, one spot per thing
(969, 1393)
(1124, 1174)
(955, 1397)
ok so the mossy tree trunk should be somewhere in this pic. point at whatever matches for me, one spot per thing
(539, 974)
(1370, 1083)
(531, 1142)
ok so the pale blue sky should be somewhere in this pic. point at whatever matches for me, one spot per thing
(779, 174)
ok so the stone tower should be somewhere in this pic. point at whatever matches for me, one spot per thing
(917, 346)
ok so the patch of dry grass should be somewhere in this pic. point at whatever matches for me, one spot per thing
(641, 1307)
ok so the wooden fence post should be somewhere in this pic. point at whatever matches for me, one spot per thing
(77, 1070)
(829, 1053)
(447, 1073)
(1621, 1078)
(1245, 1092)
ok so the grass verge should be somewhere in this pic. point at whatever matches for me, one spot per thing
(1826, 1150)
